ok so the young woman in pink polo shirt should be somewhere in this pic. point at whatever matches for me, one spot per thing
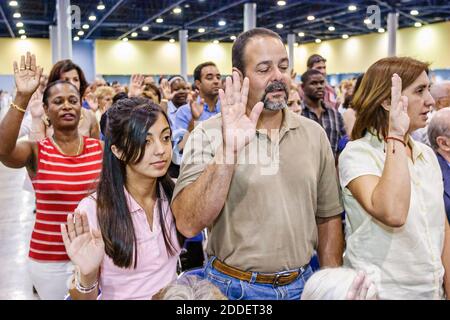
(123, 240)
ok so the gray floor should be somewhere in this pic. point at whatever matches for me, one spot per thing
(16, 223)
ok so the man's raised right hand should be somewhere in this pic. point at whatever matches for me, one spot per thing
(238, 128)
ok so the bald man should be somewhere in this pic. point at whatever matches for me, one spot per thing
(439, 136)
(441, 94)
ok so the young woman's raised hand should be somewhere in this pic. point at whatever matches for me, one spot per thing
(398, 111)
(28, 75)
(84, 247)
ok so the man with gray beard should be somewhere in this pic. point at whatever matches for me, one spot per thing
(262, 180)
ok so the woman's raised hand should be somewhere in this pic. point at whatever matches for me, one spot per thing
(84, 247)
(398, 111)
(28, 75)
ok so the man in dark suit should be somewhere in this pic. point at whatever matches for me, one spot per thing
(439, 135)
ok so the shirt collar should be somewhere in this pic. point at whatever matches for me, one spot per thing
(323, 104)
(205, 106)
(133, 206)
(171, 107)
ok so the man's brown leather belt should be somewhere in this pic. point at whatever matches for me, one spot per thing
(269, 278)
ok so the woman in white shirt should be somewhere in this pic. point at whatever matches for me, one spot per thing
(396, 228)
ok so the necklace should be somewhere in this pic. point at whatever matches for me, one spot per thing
(60, 150)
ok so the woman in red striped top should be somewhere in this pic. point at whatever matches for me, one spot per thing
(64, 168)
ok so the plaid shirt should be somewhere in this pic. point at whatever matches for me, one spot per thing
(331, 120)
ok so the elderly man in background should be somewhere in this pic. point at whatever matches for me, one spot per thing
(439, 135)
(441, 95)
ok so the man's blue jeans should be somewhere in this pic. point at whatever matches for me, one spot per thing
(236, 289)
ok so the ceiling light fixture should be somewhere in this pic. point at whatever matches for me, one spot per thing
(76, 38)
(414, 12)
(17, 15)
(352, 7)
(172, 40)
(345, 36)
(177, 10)
(85, 26)
(145, 28)
(134, 34)
(159, 20)
(92, 17)
(201, 30)
(13, 3)
(318, 41)
(310, 18)
(222, 23)
(281, 3)
(101, 6)
(331, 28)
(301, 34)
(19, 24)
(279, 26)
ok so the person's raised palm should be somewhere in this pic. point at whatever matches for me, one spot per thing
(136, 85)
(165, 90)
(238, 128)
(398, 114)
(196, 105)
(85, 248)
(36, 105)
(28, 76)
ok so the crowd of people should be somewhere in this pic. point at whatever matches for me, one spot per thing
(243, 181)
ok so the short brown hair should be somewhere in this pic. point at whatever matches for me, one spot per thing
(313, 59)
(375, 88)
(237, 52)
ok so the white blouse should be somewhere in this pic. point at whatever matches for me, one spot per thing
(405, 262)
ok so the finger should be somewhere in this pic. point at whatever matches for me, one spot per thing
(78, 224)
(364, 289)
(222, 100)
(71, 227)
(236, 87)
(22, 62)
(256, 112)
(28, 61)
(229, 91)
(354, 289)
(404, 100)
(40, 70)
(85, 222)
(15, 67)
(65, 236)
(244, 91)
(33, 63)
(396, 90)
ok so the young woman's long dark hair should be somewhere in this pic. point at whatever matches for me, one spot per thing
(128, 122)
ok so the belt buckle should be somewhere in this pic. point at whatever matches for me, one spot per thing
(275, 281)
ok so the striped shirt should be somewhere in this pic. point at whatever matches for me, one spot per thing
(331, 120)
(61, 182)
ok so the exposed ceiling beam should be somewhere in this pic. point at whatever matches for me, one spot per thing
(105, 16)
(327, 12)
(6, 22)
(231, 5)
(176, 4)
